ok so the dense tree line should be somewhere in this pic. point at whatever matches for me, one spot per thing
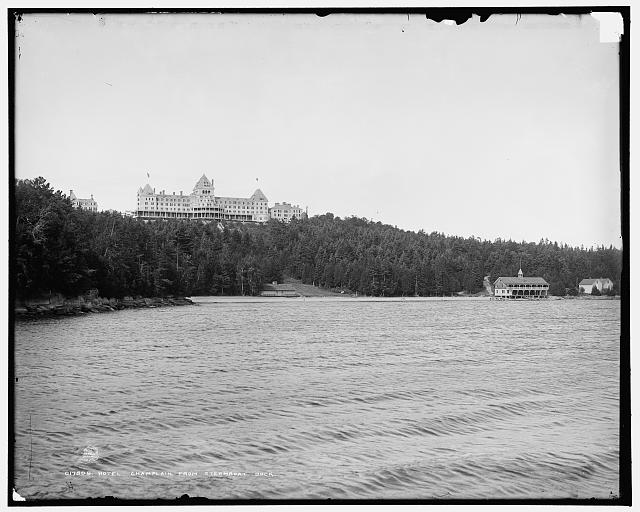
(61, 249)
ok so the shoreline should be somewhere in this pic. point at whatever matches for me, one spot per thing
(220, 299)
(84, 305)
(58, 306)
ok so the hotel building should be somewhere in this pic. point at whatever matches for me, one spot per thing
(203, 204)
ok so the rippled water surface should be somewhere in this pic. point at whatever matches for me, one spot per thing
(322, 398)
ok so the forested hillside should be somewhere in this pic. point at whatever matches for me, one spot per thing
(59, 249)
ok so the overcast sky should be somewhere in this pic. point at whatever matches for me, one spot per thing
(507, 128)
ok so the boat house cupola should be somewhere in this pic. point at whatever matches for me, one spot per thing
(520, 273)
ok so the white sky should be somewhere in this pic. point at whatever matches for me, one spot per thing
(495, 129)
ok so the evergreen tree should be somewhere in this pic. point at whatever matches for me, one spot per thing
(59, 249)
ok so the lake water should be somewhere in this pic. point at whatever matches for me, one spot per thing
(320, 398)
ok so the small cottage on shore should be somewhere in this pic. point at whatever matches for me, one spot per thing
(521, 287)
(603, 284)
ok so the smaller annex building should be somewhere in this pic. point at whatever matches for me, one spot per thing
(520, 287)
(85, 204)
(603, 284)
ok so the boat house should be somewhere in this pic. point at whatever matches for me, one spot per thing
(520, 287)
(278, 290)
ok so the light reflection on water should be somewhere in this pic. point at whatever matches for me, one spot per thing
(323, 398)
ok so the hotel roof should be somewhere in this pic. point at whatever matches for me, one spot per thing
(258, 196)
(203, 182)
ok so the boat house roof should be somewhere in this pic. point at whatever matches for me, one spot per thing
(509, 281)
(278, 287)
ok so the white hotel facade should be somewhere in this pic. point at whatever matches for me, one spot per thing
(203, 204)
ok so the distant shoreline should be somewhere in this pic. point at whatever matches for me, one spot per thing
(213, 299)
(83, 305)
(592, 297)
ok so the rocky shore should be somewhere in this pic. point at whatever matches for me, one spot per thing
(83, 305)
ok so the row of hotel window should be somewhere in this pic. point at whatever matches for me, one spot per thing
(188, 200)
(171, 203)
(234, 207)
